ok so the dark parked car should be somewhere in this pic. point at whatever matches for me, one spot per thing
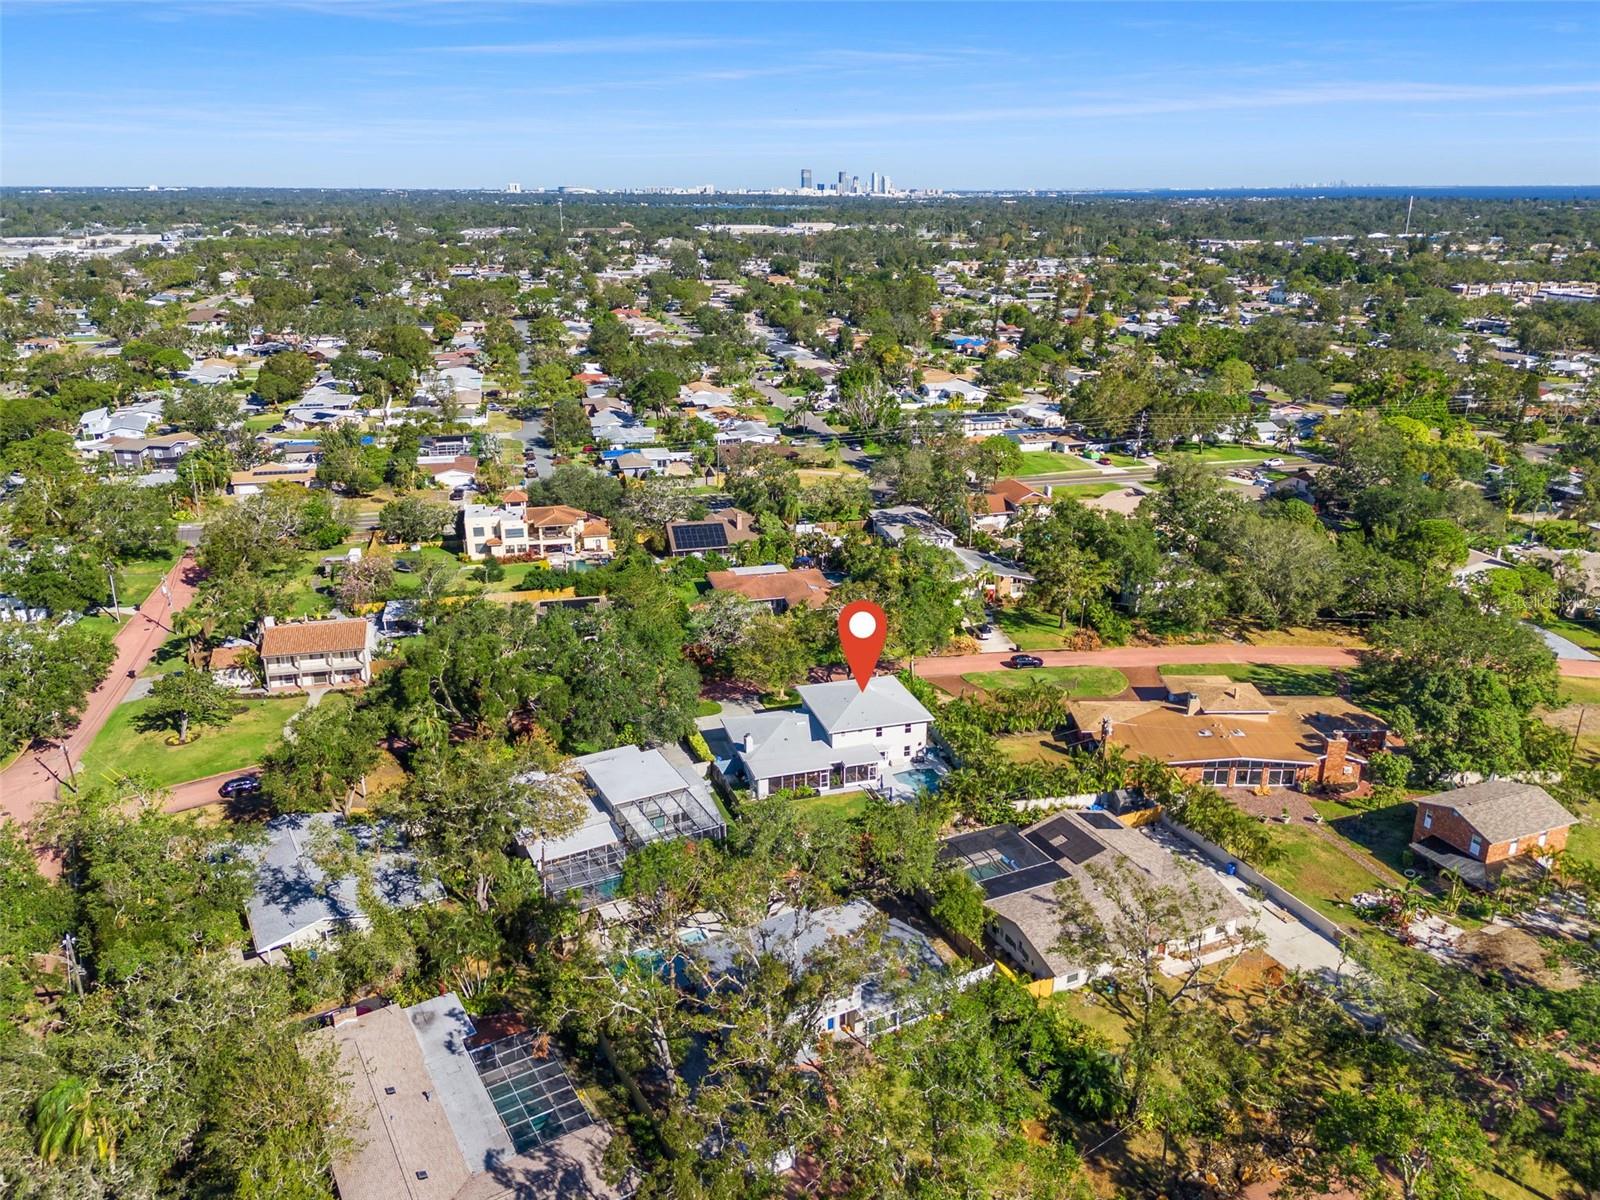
(243, 785)
(984, 630)
(405, 565)
(1024, 660)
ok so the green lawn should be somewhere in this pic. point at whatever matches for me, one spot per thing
(1033, 631)
(1076, 681)
(1318, 872)
(136, 580)
(1384, 833)
(1220, 453)
(1088, 491)
(1584, 633)
(1578, 690)
(1278, 680)
(841, 805)
(1583, 843)
(122, 749)
(1048, 462)
(706, 708)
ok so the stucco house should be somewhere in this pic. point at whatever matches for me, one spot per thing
(842, 738)
(307, 654)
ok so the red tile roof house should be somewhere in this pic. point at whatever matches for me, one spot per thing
(1477, 832)
(308, 654)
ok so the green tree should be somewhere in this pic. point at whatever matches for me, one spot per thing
(187, 697)
(46, 675)
(284, 377)
(1430, 1142)
(325, 763)
(413, 519)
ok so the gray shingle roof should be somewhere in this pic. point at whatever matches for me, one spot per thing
(1503, 809)
(294, 894)
(841, 707)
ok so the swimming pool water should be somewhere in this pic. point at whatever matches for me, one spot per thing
(924, 779)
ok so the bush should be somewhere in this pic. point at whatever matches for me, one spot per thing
(1114, 628)
(698, 747)
(958, 904)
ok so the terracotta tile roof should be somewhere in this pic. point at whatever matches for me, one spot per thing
(461, 462)
(1017, 492)
(596, 527)
(315, 637)
(554, 514)
(805, 586)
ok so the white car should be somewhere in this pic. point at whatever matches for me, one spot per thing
(1273, 462)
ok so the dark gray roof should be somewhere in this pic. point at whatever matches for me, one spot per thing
(1503, 809)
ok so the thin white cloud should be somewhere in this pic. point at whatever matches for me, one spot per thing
(632, 44)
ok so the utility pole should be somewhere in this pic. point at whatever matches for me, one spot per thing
(1410, 200)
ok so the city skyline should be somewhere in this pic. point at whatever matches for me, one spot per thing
(419, 94)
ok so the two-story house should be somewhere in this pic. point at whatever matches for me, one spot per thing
(842, 738)
(161, 453)
(307, 654)
(555, 531)
(1478, 831)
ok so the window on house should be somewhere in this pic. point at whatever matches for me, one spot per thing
(1511, 850)
(908, 729)
(831, 1022)
(1427, 819)
(1475, 847)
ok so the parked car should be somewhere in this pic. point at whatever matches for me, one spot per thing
(984, 630)
(405, 565)
(1273, 462)
(241, 785)
(1023, 660)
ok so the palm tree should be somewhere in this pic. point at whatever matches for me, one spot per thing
(66, 1121)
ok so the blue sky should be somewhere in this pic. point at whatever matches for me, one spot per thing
(476, 93)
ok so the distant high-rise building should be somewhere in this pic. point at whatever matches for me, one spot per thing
(887, 188)
(855, 184)
(872, 186)
(844, 181)
(513, 189)
(805, 180)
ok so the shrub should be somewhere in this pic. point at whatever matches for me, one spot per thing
(698, 747)
(1114, 628)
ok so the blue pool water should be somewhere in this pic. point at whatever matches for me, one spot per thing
(918, 779)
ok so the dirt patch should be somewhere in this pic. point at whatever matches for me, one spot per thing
(1516, 955)
(1305, 636)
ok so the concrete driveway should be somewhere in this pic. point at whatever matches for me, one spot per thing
(1297, 946)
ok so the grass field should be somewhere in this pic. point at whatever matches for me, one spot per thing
(1031, 747)
(136, 580)
(1319, 873)
(1076, 681)
(1088, 491)
(122, 749)
(842, 805)
(1583, 843)
(1048, 462)
(707, 708)
(1031, 630)
(1279, 680)
(1584, 633)
(1575, 690)
(1211, 454)
(1384, 833)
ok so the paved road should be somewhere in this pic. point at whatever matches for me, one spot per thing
(198, 793)
(1149, 656)
(31, 781)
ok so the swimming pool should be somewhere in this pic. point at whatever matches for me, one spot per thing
(917, 779)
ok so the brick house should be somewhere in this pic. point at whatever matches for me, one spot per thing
(1214, 730)
(307, 654)
(1477, 831)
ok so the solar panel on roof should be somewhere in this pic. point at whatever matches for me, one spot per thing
(1101, 820)
(701, 535)
(1023, 881)
(1060, 838)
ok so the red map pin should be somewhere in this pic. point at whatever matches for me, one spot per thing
(862, 630)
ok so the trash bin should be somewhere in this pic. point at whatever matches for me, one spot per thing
(1233, 868)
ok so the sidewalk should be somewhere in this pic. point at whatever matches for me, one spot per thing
(31, 781)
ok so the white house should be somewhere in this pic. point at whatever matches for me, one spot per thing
(1020, 871)
(843, 738)
(797, 935)
(893, 525)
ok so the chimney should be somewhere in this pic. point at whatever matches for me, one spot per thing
(749, 743)
(268, 621)
(1334, 765)
(1191, 704)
